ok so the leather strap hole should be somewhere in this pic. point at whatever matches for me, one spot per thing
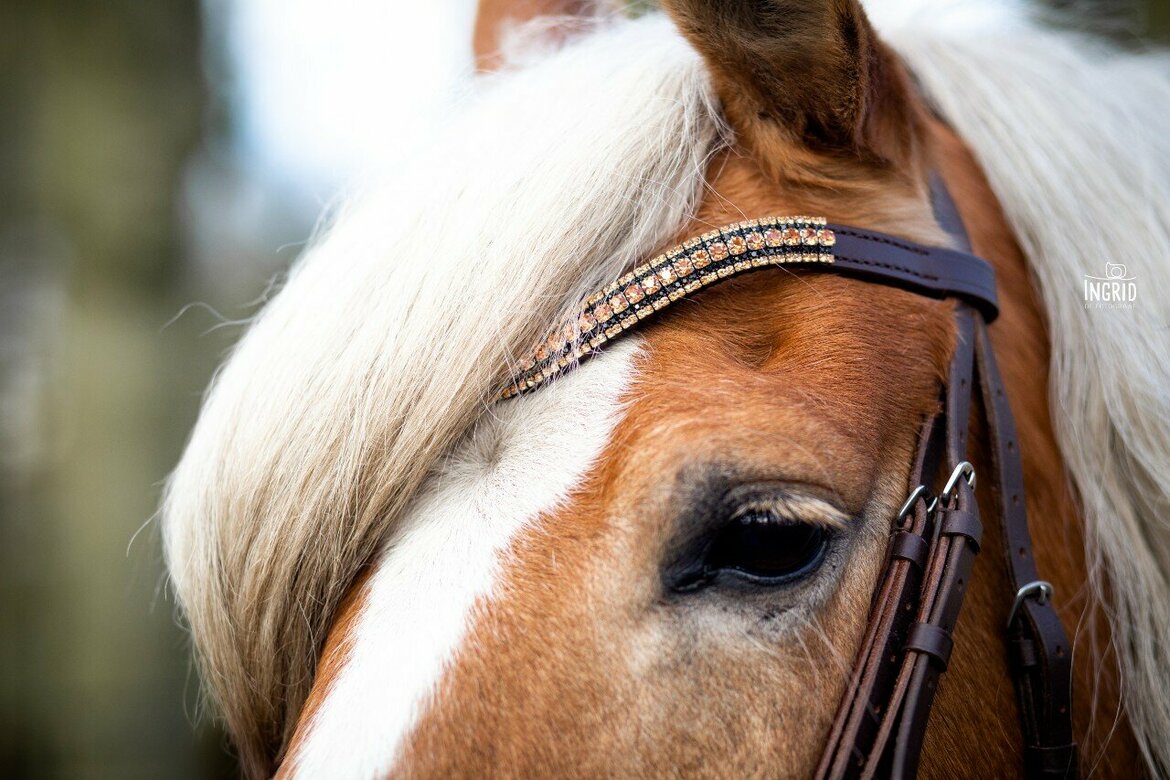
(1011, 446)
(1060, 651)
(1016, 499)
(1023, 552)
(893, 658)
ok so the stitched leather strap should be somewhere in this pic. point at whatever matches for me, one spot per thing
(1042, 664)
(928, 270)
(949, 571)
(965, 523)
(799, 244)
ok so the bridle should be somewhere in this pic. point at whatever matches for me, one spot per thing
(881, 720)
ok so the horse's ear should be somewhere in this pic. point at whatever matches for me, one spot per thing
(494, 18)
(809, 71)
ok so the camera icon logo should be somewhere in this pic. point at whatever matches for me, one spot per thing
(1115, 270)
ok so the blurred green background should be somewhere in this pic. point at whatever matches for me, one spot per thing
(127, 194)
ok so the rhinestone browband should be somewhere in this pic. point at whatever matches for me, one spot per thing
(687, 268)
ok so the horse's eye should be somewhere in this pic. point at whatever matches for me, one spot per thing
(766, 548)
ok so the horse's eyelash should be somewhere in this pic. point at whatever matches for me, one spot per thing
(796, 508)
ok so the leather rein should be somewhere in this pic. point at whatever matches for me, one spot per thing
(881, 720)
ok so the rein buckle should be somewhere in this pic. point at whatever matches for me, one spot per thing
(1042, 589)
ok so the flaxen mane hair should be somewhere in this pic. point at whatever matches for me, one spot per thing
(396, 327)
(393, 333)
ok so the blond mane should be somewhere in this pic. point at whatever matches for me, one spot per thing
(395, 329)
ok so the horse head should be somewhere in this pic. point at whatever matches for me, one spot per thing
(663, 560)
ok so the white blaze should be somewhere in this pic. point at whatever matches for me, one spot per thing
(521, 461)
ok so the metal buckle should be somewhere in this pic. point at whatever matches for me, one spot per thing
(964, 469)
(920, 492)
(1041, 587)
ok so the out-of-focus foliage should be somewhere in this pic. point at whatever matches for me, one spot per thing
(111, 125)
(103, 105)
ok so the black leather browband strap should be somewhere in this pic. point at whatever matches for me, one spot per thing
(934, 271)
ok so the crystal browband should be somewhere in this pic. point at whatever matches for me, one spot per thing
(687, 268)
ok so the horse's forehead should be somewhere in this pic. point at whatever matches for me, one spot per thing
(384, 666)
(817, 375)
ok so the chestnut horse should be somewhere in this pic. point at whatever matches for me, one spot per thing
(387, 571)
